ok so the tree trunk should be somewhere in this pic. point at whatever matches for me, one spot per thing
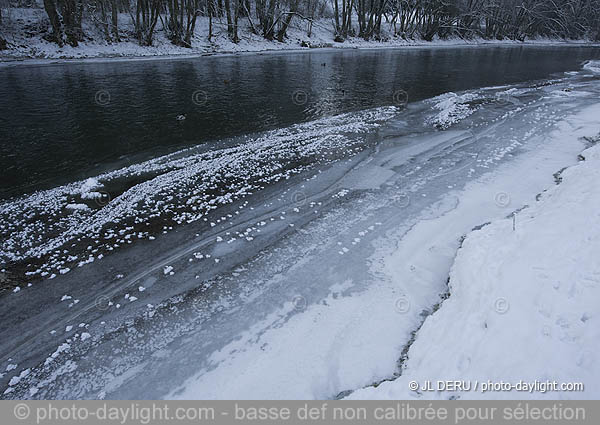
(236, 15)
(50, 6)
(287, 21)
(229, 20)
(72, 12)
(210, 16)
(269, 27)
(115, 20)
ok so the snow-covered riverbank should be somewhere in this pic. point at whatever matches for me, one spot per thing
(523, 303)
(24, 29)
(365, 334)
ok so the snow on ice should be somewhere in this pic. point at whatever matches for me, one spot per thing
(523, 301)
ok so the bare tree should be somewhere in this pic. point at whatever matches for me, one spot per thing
(182, 20)
(145, 19)
(272, 19)
(3, 43)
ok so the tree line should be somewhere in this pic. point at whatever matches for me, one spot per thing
(492, 19)
(367, 19)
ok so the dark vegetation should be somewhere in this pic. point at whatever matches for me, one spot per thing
(407, 19)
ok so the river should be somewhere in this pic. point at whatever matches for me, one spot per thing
(64, 122)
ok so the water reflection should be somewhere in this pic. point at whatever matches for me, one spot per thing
(55, 126)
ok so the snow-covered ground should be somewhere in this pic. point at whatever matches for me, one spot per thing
(523, 303)
(340, 341)
(313, 284)
(23, 30)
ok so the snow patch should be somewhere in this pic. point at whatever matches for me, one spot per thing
(453, 108)
(523, 304)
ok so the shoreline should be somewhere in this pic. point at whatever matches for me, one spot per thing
(499, 300)
(8, 62)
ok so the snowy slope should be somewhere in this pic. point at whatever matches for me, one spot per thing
(524, 302)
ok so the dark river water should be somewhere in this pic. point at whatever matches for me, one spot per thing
(63, 122)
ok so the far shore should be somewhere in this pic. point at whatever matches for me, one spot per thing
(283, 48)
